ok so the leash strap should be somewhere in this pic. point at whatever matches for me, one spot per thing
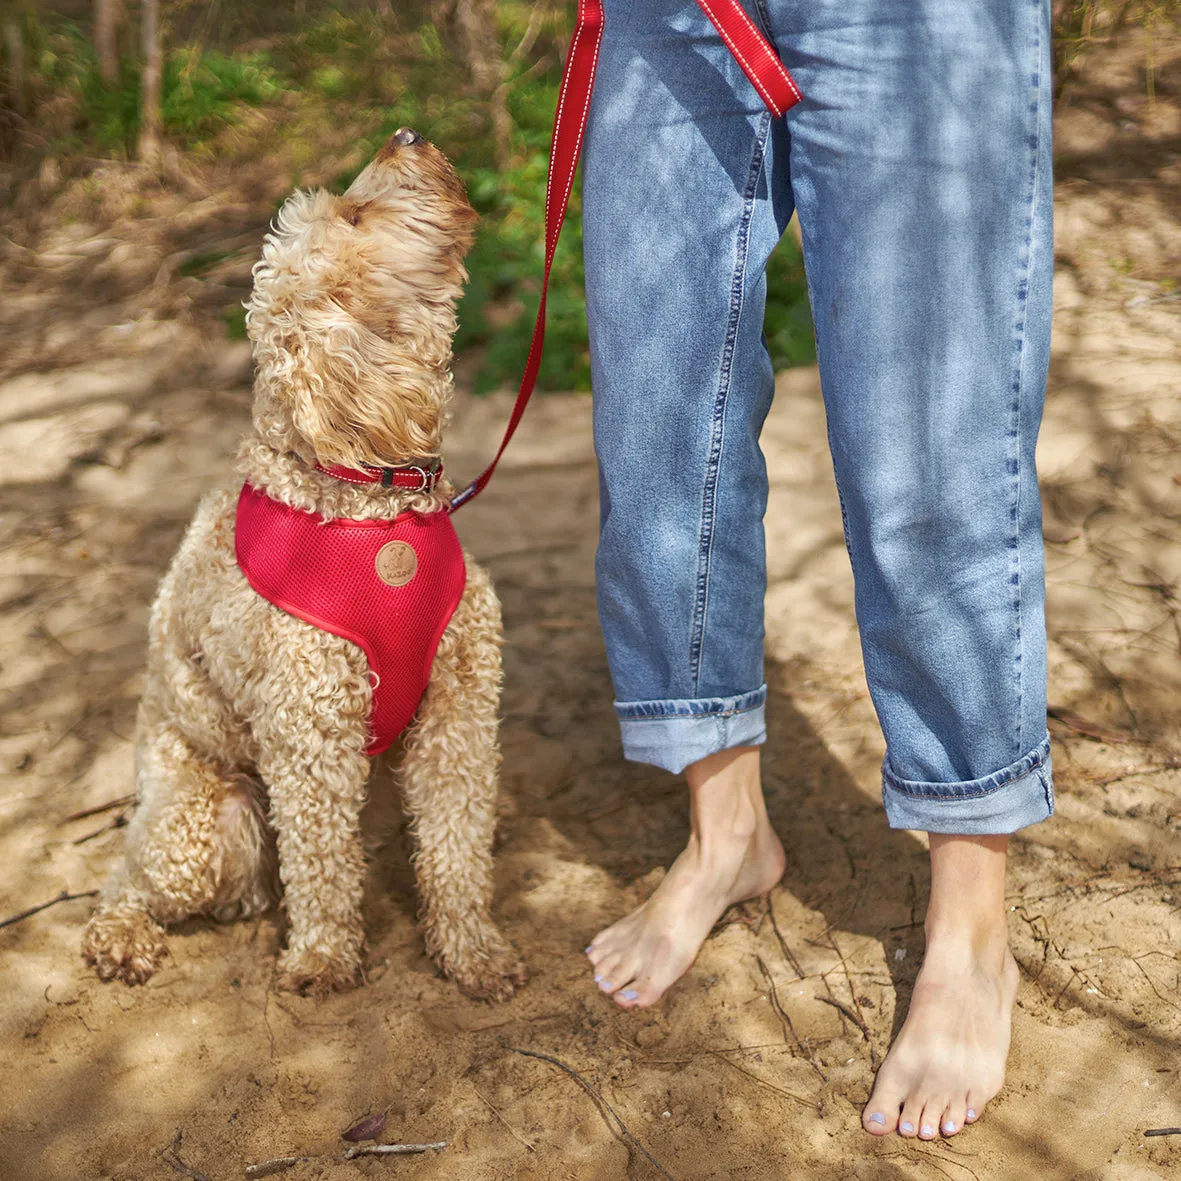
(759, 62)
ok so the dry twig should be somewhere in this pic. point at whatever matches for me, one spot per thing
(64, 896)
(277, 1164)
(172, 1158)
(118, 821)
(788, 954)
(783, 1016)
(512, 1131)
(859, 1018)
(763, 1082)
(390, 1149)
(98, 810)
(1087, 728)
(602, 1105)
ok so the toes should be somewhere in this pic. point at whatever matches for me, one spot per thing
(908, 1120)
(878, 1122)
(929, 1122)
(974, 1107)
(639, 994)
(611, 978)
(879, 1117)
(954, 1117)
(597, 951)
(623, 985)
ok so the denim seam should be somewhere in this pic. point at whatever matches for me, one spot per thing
(1034, 145)
(1025, 766)
(717, 439)
(691, 717)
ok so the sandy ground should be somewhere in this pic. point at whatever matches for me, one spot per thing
(120, 401)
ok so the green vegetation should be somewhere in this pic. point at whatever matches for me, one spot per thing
(203, 90)
(346, 66)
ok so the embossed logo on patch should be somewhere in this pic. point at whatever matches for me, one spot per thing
(396, 563)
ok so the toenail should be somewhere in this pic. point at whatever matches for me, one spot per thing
(949, 1127)
(877, 1118)
(630, 995)
(589, 946)
(971, 1113)
(606, 986)
(927, 1130)
(907, 1127)
(598, 979)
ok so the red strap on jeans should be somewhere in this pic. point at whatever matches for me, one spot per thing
(759, 63)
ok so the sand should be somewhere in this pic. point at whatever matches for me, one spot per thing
(120, 403)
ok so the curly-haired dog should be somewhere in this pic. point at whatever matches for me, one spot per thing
(254, 724)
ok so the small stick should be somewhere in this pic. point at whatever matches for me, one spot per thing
(109, 806)
(782, 1014)
(1163, 1132)
(788, 954)
(119, 821)
(390, 1149)
(762, 1081)
(512, 1131)
(170, 1156)
(858, 1021)
(1087, 728)
(275, 1165)
(64, 896)
(874, 1057)
(601, 1103)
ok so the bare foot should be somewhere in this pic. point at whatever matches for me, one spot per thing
(733, 854)
(948, 1060)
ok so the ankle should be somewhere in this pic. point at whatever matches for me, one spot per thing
(726, 799)
(721, 836)
(978, 937)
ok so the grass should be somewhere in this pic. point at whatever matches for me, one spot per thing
(202, 92)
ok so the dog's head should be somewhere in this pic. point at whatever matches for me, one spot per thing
(353, 310)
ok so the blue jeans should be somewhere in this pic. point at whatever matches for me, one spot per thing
(919, 162)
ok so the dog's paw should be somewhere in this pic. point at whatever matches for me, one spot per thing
(310, 972)
(124, 944)
(490, 972)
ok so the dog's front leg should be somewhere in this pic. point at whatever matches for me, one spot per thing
(449, 779)
(312, 763)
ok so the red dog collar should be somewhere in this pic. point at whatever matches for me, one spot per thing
(413, 477)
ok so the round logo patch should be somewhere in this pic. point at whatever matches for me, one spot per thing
(396, 563)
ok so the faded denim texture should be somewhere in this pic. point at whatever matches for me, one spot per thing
(919, 161)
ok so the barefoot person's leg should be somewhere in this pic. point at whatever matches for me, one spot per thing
(920, 163)
(679, 215)
(733, 854)
(948, 1060)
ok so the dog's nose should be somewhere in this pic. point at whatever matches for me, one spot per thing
(406, 136)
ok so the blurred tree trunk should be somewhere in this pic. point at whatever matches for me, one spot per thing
(148, 147)
(480, 42)
(107, 15)
(14, 51)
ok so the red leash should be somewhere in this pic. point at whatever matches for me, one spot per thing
(759, 63)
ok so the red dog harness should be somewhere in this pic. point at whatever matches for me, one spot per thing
(390, 587)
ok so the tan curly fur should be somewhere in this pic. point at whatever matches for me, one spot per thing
(250, 764)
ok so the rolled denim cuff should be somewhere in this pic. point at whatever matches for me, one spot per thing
(673, 734)
(1014, 797)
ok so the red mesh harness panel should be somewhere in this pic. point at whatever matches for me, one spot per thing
(390, 587)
